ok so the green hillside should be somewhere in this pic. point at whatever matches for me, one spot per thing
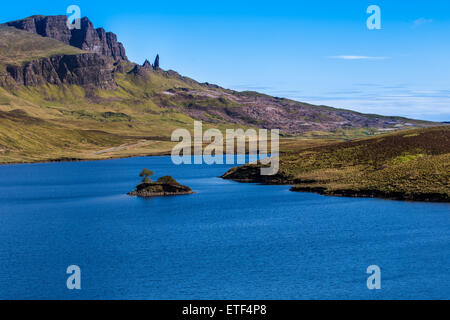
(411, 165)
(18, 46)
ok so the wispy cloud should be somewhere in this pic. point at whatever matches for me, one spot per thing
(396, 99)
(421, 21)
(350, 57)
(424, 103)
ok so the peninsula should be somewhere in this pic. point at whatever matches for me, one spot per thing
(408, 165)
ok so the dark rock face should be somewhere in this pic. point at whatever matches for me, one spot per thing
(97, 40)
(119, 67)
(156, 64)
(53, 27)
(86, 38)
(88, 69)
(147, 65)
(252, 173)
(142, 71)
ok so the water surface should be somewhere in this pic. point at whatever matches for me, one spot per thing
(228, 241)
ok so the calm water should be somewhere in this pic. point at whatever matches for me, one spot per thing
(227, 241)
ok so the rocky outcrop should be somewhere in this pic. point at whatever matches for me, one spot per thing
(52, 26)
(97, 40)
(119, 67)
(156, 63)
(251, 173)
(143, 70)
(139, 71)
(88, 69)
(155, 189)
(147, 65)
(85, 69)
(86, 38)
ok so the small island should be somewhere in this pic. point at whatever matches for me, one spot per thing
(164, 186)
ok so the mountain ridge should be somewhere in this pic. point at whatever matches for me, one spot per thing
(85, 38)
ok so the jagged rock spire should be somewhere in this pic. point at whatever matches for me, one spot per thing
(147, 65)
(156, 64)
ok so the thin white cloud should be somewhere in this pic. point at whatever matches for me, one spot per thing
(350, 57)
(421, 21)
(424, 103)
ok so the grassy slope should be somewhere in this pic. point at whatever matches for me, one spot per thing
(27, 139)
(24, 46)
(412, 165)
(128, 116)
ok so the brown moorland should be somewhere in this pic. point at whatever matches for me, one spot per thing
(408, 165)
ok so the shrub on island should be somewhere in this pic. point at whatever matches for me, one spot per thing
(167, 180)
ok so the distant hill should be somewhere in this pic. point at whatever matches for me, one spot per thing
(407, 165)
(81, 81)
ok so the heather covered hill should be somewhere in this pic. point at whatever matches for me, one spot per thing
(408, 165)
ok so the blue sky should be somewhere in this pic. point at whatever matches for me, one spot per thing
(315, 51)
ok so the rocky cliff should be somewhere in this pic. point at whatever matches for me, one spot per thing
(156, 64)
(86, 38)
(147, 66)
(83, 69)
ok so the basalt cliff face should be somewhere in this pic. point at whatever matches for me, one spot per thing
(103, 55)
(87, 69)
(86, 38)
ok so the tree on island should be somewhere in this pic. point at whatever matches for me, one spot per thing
(146, 174)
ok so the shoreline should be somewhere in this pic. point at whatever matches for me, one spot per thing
(84, 160)
(164, 186)
(157, 194)
(373, 194)
(63, 159)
